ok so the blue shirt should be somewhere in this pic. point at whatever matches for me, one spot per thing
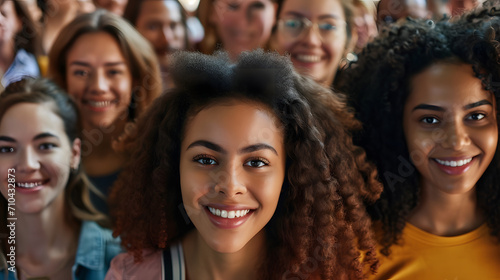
(24, 64)
(96, 248)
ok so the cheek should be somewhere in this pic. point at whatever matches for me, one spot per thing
(124, 88)
(487, 141)
(337, 47)
(284, 43)
(194, 185)
(420, 145)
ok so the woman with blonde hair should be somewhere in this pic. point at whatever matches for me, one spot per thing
(113, 74)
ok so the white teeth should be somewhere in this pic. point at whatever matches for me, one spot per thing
(308, 58)
(228, 214)
(28, 185)
(453, 163)
(99, 103)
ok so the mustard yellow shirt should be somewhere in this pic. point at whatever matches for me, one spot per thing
(425, 256)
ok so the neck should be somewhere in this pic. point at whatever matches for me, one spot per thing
(447, 214)
(7, 55)
(45, 237)
(99, 157)
(202, 262)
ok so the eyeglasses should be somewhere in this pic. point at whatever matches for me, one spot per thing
(327, 28)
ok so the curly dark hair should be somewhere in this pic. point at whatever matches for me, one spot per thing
(380, 84)
(320, 216)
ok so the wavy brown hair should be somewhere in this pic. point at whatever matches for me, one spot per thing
(320, 217)
(380, 85)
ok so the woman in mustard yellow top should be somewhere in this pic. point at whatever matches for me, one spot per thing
(428, 96)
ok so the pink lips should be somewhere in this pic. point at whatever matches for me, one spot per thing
(455, 170)
(225, 223)
(31, 190)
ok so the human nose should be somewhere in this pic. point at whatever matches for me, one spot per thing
(310, 34)
(98, 82)
(457, 136)
(28, 161)
(166, 36)
(230, 182)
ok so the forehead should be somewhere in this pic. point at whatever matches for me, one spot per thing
(96, 47)
(161, 9)
(447, 84)
(235, 124)
(34, 118)
(313, 8)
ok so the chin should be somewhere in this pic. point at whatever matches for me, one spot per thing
(226, 246)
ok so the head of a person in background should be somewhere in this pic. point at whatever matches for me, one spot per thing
(365, 23)
(391, 11)
(17, 27)
(108, 67)
(114, 6)
(19, 42)
(430, 111)
(162, 23)
(316, 35)
(248, 157)
(45, 153)
(236, 25)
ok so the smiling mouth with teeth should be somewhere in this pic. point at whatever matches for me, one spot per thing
(28, 185)
(308, 58)
(100, 104)
(228, 214)
(453, 163)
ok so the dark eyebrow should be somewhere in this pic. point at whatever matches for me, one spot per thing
(208, 145)
(219, 149)
(44, 135)
(257, 147)
(7, 139)
(39, 136)
(428, 107)
(81, 63)
(297, 14)
(477, 104)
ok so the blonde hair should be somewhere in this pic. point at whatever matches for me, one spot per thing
(142, 61)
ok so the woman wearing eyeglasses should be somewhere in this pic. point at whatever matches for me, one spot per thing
(316, 34)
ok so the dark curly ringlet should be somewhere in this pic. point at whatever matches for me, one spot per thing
(380, 84)
(320, 216)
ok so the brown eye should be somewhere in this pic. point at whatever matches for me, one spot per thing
(430, 120)
(257, 163)
(477, 116)
(205, 160)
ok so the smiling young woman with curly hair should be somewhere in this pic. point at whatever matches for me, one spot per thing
(428, 94)
(244, 171)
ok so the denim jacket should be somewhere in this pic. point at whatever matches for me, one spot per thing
(96, 248)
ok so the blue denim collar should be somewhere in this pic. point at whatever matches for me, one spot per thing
(91, 247)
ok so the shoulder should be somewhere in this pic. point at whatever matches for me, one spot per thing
(123, 266)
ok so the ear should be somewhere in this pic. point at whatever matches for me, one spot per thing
(76, 152)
